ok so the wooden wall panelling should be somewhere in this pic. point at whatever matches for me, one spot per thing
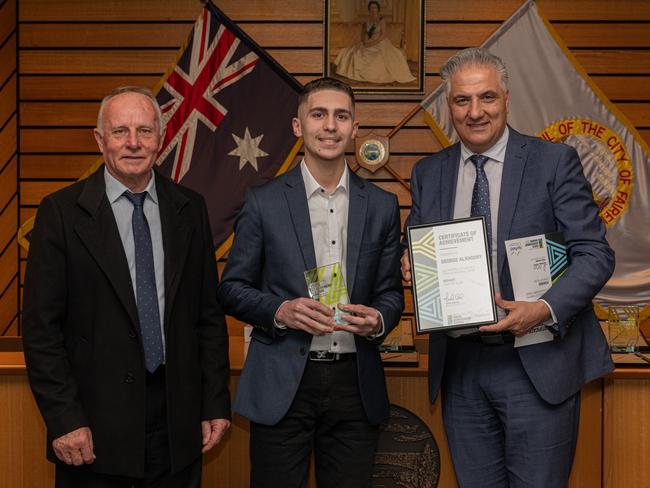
(64, 76)
(8, 169)
(8, 179)
(8, 266)
(51, 166)
(8, 308)
(627, 433)
(8, 226)
(7, 19)
(72, 52)
(8, 96)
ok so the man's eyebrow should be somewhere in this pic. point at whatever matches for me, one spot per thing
(336, 110)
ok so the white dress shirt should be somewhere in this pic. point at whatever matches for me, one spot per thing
(328, 214)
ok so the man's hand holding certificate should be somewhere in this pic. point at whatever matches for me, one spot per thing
(535, 263)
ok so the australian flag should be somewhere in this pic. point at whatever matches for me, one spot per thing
(227, 106)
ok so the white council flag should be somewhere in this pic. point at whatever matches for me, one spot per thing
(553, 97)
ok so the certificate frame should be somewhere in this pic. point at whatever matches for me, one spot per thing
(451, 275)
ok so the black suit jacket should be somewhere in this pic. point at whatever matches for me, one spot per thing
(82, 341)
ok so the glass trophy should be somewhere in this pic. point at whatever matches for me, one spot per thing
(327, 285)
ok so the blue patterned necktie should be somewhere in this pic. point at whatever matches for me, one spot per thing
(481, 196)
(145, 283)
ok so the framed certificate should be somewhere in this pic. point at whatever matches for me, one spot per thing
(451, 275)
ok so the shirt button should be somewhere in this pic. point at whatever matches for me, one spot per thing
(128, 377)
(333, 242)
(331, 210)
(335, 344)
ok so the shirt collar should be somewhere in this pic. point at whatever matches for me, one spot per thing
(115, 188)
(312, 186)
(497, 152)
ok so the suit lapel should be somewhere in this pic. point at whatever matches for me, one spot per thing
(448, 179)
(98, 233)
(513, 170)
(299, 211)
(356, 222)
(176, 235)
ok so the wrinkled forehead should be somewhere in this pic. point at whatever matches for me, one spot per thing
(485, 74)
(131, 106)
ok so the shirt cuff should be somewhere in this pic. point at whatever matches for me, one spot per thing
(277, 324)
(381, 330)
(552, 322)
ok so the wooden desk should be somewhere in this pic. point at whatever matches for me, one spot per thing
(613, 443)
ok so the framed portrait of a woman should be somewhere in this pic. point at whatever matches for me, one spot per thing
(377, 46)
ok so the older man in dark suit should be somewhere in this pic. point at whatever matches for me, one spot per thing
(125, 343)
(511, 414)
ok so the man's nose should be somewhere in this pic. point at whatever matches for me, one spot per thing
(475, 108)
(132, 139)
(329, 123)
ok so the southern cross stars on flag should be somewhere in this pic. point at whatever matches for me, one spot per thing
(227, 107)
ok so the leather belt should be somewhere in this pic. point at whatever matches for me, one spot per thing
(327, 356)
(497, 339)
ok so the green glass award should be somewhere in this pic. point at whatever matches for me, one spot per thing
(327, 285)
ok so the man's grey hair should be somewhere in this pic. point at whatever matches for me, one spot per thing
(130, 89)
(472, 56)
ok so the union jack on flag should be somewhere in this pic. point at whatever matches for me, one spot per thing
(227, 106)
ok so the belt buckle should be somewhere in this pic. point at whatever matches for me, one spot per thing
(492, 340)
(322, 356)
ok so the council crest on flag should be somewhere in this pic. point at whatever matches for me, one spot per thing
(553, 97)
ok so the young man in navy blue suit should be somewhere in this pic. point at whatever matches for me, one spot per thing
(310, 383)
(511, 414)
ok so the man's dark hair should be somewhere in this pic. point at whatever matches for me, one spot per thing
(326, 83)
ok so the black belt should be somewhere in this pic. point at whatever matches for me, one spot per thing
(332, 356)
(497, 339)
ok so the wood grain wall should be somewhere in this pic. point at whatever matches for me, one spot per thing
(71, 52)
(8, 169)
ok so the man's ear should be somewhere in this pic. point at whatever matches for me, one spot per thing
(99, 139)
(297, 127)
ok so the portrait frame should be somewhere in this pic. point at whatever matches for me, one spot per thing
(376, 57)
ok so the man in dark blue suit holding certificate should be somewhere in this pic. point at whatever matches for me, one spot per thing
(511, 414)
(312, 382)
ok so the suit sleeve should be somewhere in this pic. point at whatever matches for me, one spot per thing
(240, 288)
(591, 260)
(388, 292)
(44, 314)
(414, 217)
(213, 335)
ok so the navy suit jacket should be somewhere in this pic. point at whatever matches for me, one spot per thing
(543, 190)
(273, 247)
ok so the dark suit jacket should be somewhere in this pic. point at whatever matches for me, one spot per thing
(273, 247)
(81, 335)
(543, 190)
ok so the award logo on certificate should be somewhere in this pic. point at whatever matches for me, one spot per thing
(451, 275)
(327, 285)
(535, 263)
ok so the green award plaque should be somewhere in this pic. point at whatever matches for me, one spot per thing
(327, 285)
